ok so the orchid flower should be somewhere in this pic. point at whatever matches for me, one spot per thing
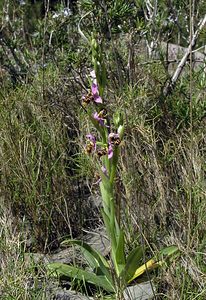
(95, 93)
(110, 151)
(95, 90)
(113, 140)
(92, 139)
(91, 146)
(99, 119)
(104, 171)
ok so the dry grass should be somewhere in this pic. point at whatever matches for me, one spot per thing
(18, 280)
(163, 175)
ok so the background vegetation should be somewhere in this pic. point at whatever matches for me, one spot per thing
(46, 180)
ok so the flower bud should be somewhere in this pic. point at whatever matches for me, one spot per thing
(120, 131)
(118, 119)
(94, 44)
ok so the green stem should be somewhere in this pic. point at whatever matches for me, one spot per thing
(114, 165)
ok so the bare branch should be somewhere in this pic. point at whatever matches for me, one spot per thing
(170, 85)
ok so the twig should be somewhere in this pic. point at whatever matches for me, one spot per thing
(170, 85)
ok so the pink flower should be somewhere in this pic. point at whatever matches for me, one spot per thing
(95, 93)
(104, 171)
(110, 151)
(95, 90)
(91, 137)
(91, 145)
(113, 140)
(99, 118)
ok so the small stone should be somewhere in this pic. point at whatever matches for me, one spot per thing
(69, 295)
(142, 291)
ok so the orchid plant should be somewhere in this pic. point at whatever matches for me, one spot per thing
(115, 274)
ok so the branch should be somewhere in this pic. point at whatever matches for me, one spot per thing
(171, 84)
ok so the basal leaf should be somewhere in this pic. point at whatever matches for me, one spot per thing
(168, 251)
(61, 269)
(150, 265)
(94, 258)
(157, 261)
(132, 263)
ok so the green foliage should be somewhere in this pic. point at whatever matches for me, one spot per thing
(93, 257)
(126, 271)
(132, 263)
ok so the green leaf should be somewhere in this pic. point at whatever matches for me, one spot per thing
(168, 251)
(149, 265)
(119, 253)
(93, 257)
(112, 236)
(105, 197)
(132, 262)
(107, 193)
(106, 222)
(61, 269)
(157, 261)
(113, 231)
